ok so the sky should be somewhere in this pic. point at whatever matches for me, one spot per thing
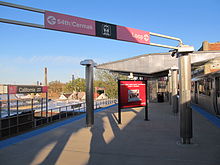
(26, 51)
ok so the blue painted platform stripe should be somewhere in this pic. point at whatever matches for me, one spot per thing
(19, 138)
(213, 119)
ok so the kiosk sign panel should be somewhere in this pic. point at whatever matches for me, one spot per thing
(132, 94)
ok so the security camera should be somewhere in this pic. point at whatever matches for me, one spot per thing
(173, 52)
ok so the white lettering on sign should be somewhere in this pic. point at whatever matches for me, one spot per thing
(26, 90)
(73, 24)
(140, 36)
(52, 21)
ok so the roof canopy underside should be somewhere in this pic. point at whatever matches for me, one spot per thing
(155, 65)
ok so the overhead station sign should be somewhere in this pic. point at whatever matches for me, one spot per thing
(133, 35)
(72, 24)
(67, 23)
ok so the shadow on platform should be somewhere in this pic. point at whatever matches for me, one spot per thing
(133, 142)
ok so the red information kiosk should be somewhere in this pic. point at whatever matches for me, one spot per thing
(132, 93)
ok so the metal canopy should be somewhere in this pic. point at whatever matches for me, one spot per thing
(155, 65)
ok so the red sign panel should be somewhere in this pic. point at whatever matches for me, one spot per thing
(133, 35)
(44, 89)
(132, 94)
(12, 89)
(67, 23)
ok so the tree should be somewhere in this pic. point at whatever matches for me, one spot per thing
(104, 78)
(56, 87)
(77, 85)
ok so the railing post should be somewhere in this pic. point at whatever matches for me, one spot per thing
(47, 106)
(32, 111)
(51, 116)
(59, 113)
(17, 116)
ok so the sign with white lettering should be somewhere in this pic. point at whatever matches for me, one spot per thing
(13, 89)
(29, 89)
(133, 35)
(132, 93)
(67, 23)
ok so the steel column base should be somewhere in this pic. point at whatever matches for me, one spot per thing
(186, 140)
(89, 125)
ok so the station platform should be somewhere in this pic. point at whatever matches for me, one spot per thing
(134, 142)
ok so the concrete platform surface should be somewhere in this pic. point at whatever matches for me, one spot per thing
(134, 142)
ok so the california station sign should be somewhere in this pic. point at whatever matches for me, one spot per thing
(72, 24)
(19, 89)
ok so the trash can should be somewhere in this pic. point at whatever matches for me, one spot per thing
(160, 97)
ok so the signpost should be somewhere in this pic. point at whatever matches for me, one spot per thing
(23, 89)
(131, 94)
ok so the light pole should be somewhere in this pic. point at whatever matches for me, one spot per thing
(89, 91)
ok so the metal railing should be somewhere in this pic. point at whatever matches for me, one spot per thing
(29, 116)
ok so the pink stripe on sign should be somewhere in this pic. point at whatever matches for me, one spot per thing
(133, 35)
(67, 23)
(44, 89)
(12, 89)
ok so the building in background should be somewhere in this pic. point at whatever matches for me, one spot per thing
(206, 46)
